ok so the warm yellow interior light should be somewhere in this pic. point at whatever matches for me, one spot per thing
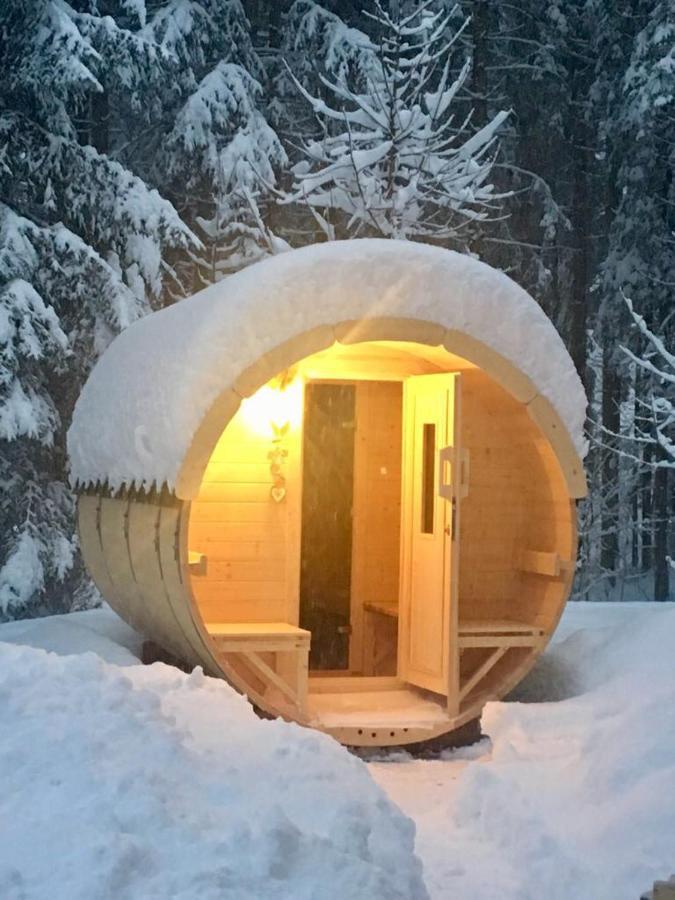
(275, 409)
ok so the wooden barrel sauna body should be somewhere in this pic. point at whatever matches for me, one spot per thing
(159, 560)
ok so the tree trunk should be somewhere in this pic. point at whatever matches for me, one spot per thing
(584, 183)
(646, 535)
(99, 127)
(480, 24)
(661, 565)
(581, 219)
(611, 419)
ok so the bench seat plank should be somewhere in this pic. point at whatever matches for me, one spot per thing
(498, 626)
(243, 630)
(481, 633)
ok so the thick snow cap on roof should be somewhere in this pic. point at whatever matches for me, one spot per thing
(149, 392)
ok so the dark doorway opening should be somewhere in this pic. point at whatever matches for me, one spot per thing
(326, 545)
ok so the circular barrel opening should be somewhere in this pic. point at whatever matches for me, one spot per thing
(383, 539)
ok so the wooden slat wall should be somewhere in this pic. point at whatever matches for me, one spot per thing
(377, 504)
(130, 544)
(517, 501)
(244, 534)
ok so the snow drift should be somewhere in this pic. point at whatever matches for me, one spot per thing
(143, 782)
(131, 782)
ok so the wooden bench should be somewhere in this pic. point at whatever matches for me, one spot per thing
(380, 637)
(382, 607)
(498, 635)
(288, 642)
(550, 565)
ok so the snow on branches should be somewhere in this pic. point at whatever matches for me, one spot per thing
(218, 159)
(83, 253)
(394, 160)
(657, 409)
(224, 154)
(314, 34)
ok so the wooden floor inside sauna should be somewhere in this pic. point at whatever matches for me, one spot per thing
(395, 706)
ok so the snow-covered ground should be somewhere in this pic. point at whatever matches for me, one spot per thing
(568, 800)
(129, 782)
(126, 781)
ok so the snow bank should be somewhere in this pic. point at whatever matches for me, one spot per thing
(143, 402)
(146, 783)
(575, 799)
(100, 631)
(142, 782)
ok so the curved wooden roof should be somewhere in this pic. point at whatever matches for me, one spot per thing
(159, 397)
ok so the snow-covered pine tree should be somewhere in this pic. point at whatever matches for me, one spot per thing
(634, 103)
(655, 428)
(317, 43)
(394, 160)
(219, 159)
(528, 57)
(654, 357)
(82, 246)
(639, 131)
(222, 157)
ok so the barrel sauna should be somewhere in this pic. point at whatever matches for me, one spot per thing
(345, 480)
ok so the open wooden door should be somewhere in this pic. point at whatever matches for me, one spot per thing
(429, 527)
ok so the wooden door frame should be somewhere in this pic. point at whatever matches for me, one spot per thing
(294, 480)
(405, 540)
(357, 614)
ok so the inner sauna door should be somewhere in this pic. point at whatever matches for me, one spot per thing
(326, 543)
(428, 655)
(351, 508)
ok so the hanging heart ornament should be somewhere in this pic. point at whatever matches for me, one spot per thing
(278, 493)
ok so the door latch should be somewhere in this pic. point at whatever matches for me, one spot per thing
(450, 529)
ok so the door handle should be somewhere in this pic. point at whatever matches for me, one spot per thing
(446, 459)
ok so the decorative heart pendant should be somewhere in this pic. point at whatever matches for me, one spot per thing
(278, 494)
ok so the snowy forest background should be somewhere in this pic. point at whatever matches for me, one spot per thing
(150, 147)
